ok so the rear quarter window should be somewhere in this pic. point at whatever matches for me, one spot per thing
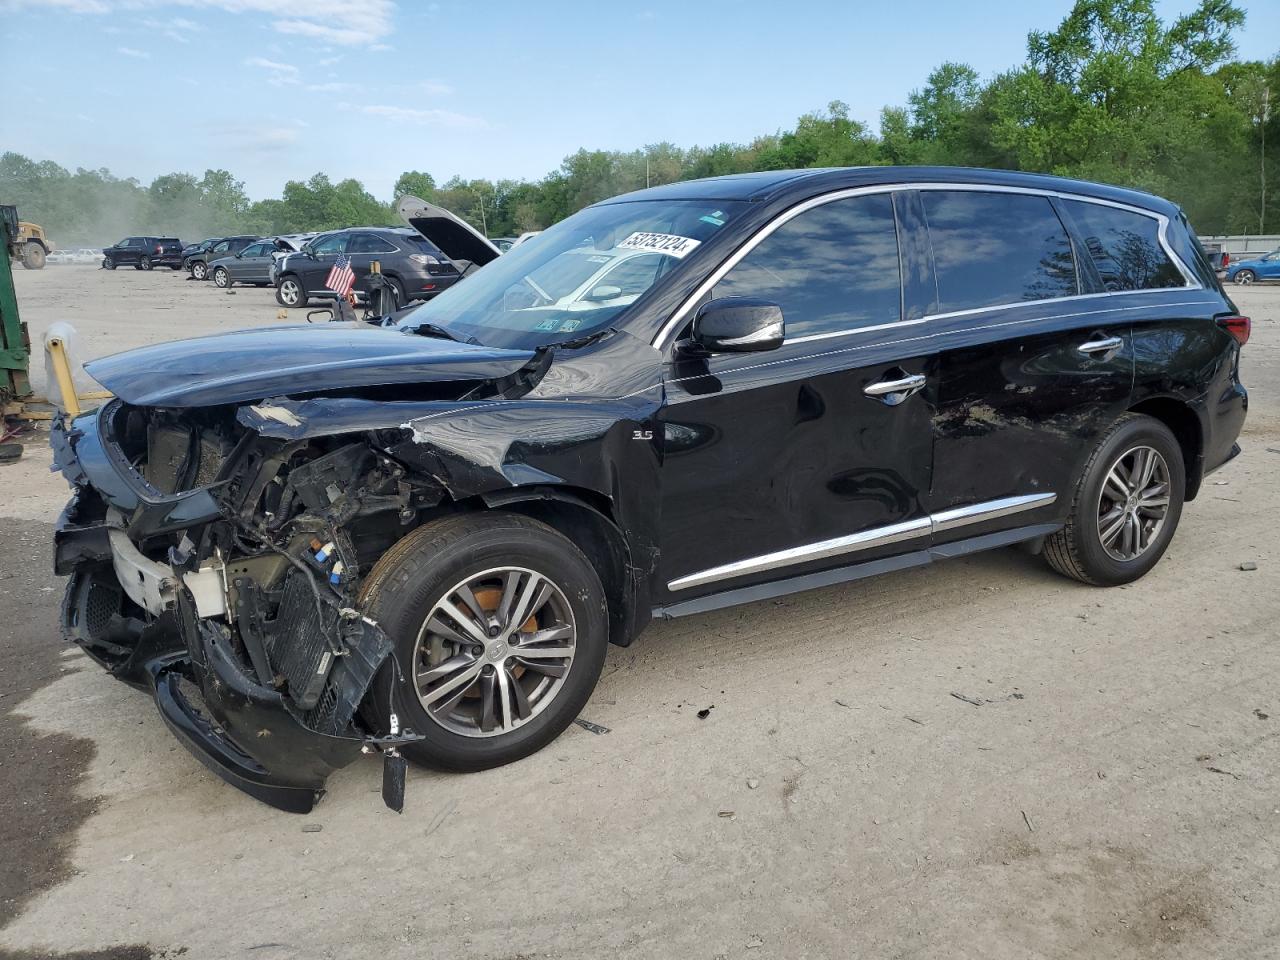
(997, 248)
(1125, 247)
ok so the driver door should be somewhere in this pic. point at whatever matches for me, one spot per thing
(797, 460)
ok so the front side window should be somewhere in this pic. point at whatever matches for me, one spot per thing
(332, 244)
(997, 248)
(1125, 247)
(832, 268)
(565, 284)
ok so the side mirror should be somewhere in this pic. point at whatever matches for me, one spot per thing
(604, 292)
(738, 325)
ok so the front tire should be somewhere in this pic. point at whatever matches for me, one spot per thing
(33, 256)
(221, 278)
(500, 630)
(289, 293)
(108, 263)
(1126, 505)
(1245, 277)
(200, 270)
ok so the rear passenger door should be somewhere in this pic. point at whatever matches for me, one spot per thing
(1035, 360)
(363, 249)
(807, 457)
(252, 262)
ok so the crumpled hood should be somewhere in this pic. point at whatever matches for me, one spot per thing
(279, 361)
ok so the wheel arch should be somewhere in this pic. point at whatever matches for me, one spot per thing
(1184, 423)
(586, 519)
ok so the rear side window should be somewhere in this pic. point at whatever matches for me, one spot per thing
(1125, 247)
(832, 268)
(369, 243)
(997, 248)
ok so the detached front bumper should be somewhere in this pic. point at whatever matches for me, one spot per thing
(175, 634)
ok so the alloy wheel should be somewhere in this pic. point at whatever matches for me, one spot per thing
(199, 270)
(220, 277)
(494, 652)
(145, 263)
(290, 292)
(1133, 503)
(1245, 277)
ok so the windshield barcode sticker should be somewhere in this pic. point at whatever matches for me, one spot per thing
(667, 243)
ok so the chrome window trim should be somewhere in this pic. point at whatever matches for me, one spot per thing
(941, 522)
(663, 337)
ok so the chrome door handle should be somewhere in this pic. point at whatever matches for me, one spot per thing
(1100, 346)
(895, 391)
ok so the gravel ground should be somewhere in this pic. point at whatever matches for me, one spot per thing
(1112, 793)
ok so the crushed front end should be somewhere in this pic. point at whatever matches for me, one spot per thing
(219, 569)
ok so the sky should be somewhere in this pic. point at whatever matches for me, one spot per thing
(275, 90)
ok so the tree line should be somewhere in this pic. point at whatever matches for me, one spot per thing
(1113, 94)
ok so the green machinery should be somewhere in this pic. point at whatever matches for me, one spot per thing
(15, 345)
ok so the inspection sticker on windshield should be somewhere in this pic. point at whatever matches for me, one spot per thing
(667, 243)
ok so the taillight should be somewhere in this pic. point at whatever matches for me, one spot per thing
(425, 258)
(1238, 327)
(158, 250)
(1226, 260)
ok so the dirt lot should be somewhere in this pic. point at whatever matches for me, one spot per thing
(1115, 793)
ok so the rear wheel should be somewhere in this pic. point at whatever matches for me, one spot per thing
(144, 263)
(200, 270)
(1245, 277)
(1126, 505)
(289, 293)
(221, 278)
(33, 256)
(500, 632)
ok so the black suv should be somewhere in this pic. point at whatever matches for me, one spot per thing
(143, 253)
(198, 261)
(415, 267)
(420, 538)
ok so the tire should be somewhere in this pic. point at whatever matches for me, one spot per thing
(404, 588)
(200, 270)
(1091, 547)
(289, 292)
(108, 263)
(33, 256)
(1245, 277)
(144, 263)
(401, 297)
(221, 278)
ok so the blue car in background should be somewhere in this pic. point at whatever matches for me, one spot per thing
(1265, 267)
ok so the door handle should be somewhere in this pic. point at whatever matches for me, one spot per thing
(894, 392)
(1091, 347)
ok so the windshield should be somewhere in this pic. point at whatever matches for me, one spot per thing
(576, 277)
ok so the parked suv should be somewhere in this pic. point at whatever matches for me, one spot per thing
(415, 267)
(198, 262)
(193, 248)
(143, 253)
(251, 265)
(420, 539)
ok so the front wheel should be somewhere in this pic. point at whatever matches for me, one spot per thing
(1245, 277)
(144, 263)
(33, 257)
(289, 293)
(500, 630)
(221, 278)
(108, 263)
(1126, 505)
(200, 270)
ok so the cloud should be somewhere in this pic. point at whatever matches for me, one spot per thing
(437, 118)
(131, 52)
(281, 74)
(341, 22)
(436, 88)
(258, 138)
(174, 28)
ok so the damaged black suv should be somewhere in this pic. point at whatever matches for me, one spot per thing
(418, 536)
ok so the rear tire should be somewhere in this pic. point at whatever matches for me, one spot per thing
(33, 256)
(1125, 507)
(481, 719)
(200, 270)
(144, 263)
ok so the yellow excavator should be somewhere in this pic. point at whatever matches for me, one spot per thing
(25, 241)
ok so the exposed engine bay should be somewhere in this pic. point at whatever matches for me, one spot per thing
(252, 567)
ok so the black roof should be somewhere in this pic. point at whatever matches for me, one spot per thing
(774, 184)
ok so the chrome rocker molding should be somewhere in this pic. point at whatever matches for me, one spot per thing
(942, 522)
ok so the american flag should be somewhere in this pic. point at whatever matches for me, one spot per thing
(341, 277)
